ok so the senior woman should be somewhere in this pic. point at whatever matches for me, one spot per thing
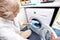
(8, 30)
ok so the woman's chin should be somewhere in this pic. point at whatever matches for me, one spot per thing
(10, 19)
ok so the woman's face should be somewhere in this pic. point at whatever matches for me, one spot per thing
(13, 7)
(14, 13)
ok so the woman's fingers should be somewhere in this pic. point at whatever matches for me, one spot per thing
(57, 38)
(26, 23)
(53, 38)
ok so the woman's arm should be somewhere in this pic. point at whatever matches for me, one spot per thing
(9, 34)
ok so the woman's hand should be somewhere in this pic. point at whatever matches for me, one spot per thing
(27, 23)
(57, 38)
(53, 38)
(25, 34)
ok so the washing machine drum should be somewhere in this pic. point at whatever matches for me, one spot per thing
(42, 30)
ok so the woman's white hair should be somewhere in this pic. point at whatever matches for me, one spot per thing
(5, 11)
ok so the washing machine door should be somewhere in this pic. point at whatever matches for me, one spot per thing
(39, 28)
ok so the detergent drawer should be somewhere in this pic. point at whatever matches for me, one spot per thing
(44, 14)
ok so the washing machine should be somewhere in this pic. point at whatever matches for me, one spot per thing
(42, 19)
(46, 15)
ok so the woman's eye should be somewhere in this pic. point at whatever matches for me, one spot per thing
(1, 12)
